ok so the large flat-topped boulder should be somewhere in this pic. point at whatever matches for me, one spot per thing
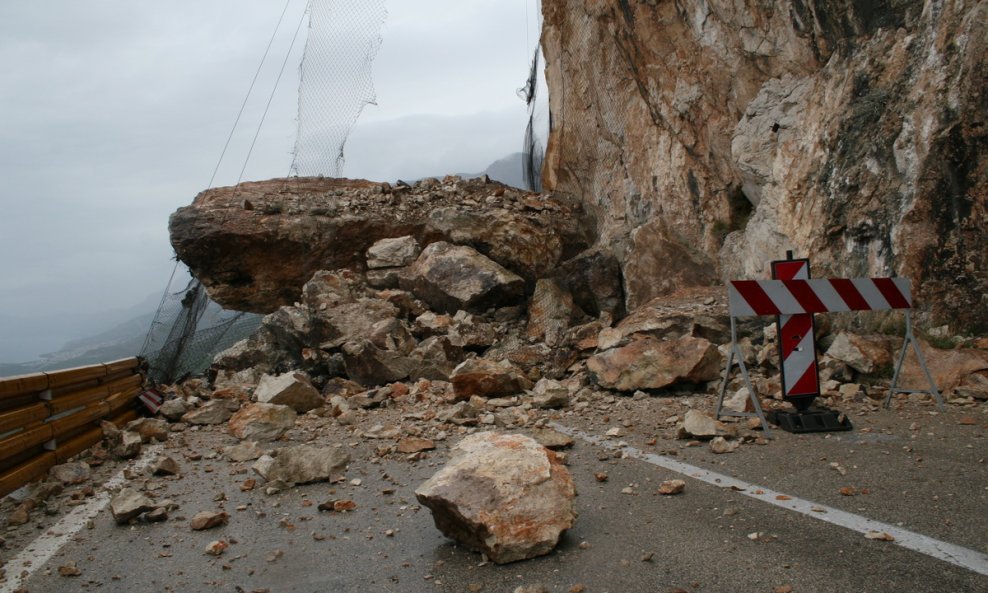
(254, 245)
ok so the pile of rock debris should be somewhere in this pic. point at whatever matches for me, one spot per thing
(424, 343)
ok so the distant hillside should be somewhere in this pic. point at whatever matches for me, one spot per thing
(508, 170)
(126, 339)
(121, 341)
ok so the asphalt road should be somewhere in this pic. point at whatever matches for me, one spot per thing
(909, 468)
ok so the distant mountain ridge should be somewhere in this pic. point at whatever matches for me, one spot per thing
(121, 341)
(508, 170)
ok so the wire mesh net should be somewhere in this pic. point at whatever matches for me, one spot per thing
(536, 96)
(335, 82)
(189, 329)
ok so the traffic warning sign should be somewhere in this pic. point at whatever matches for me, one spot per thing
(793, 297)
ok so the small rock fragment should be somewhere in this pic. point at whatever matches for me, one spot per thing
(129, 445)
(165, 466)
(740, 401)
(150, 429)
(670, 487)
(71, 473)
(338, 506)
(415, 445)
(245, 451)
(128, 504)
(552, 439)
(69, 570)
(721, 445)
(549, 394)
(487, 379)
(215, 411)
(216, 547)
(173, 409)
(302, 464)
(880, 535)
(208, 520)
(157, 515)
(21, 515)
(262, 422)
(699, 425)
(393, 252)
(290, 389)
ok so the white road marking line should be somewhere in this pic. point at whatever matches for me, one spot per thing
(957, 555)
(35, 555)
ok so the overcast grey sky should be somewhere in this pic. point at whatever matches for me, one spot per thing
(113, 114)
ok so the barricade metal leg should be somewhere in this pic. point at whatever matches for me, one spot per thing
(726, 377)
(752, 395)
(906, 341)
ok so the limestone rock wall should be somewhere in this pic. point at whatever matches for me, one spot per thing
(706, 137)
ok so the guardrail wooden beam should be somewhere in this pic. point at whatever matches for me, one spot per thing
(124, 364)
(22, 384)
(29, 437)
(23, 417)
(44, 408)
(14, 478)
(78, 444)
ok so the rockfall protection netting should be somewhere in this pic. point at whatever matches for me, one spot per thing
(536, 95)
(335, 82)
(189, 329)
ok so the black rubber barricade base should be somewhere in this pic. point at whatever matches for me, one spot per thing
(815, 420)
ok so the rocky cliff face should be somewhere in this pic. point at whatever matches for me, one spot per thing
(707, 137)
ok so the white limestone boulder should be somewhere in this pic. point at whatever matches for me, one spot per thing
(504, 495)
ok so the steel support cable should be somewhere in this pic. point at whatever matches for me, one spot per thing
(267, 50)
(264, 115)
(161, 303)
(229, 138)
(249, 91)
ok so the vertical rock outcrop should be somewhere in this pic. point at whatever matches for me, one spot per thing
(720, 133)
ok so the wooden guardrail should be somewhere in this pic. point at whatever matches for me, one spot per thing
(46, 418)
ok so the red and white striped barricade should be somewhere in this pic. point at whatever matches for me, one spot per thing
(152, 400)
(797, 348)
(787, 297)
